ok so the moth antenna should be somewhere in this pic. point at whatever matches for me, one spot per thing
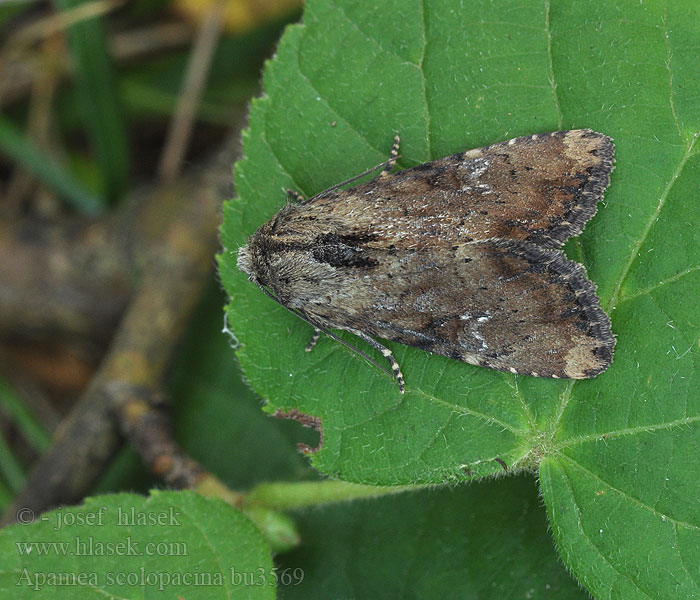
(291, 194)
(360, 176)
(369, 359)
(313, 340)
(393, 156)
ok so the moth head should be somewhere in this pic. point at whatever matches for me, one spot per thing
(260, 258)
(244, 262)
(252, 262)
(291, 257)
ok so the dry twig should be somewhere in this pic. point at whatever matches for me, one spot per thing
(122, 396)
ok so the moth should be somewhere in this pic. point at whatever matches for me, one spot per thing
(458, 256)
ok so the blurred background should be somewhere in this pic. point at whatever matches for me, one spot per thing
(119, 125)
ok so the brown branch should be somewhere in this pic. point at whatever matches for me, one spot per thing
(134, 367)
(70, 276)
(147, 428)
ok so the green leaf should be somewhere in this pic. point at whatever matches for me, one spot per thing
(171, 544)
(616, 453)
(487, 540)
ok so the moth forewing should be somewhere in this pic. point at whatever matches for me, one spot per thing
(458, 256)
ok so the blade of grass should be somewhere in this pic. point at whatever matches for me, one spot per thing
(6, 496)
(144, 98)
(24, 152)
(104, 118)
(11, 404)
(11, 471)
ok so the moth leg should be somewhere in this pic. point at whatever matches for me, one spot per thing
(395, 369)
(295, 196)
(313, 340)
(393, 155)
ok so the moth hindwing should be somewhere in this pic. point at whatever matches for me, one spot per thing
(459, 256)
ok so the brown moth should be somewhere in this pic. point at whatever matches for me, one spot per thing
(458, 256)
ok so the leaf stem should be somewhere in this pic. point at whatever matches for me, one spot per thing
(285, 496)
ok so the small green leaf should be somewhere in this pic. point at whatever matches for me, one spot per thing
(617, 453)
(171, 544)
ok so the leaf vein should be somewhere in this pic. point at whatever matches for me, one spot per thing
(664, 517)
(550, 66)
(266, 141)
(472, 413)
(429, 444)
(681, 559)
(667, 42)
(650, 224)
(590, 541)
(423, 82)
(331, 109)
(374, 41)
(618, 433)
(518, 396)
